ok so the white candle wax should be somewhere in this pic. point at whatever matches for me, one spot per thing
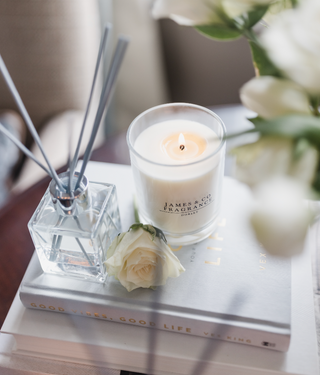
(178, 186)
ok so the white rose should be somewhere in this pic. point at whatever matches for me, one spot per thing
(275, 10)
(140, 258)
(235, 8)
(270, 156)
(202, 12)
(293, 44)
(271, 97)
(281, 218)
(187, 12)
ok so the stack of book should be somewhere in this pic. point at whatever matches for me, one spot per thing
(231, 291)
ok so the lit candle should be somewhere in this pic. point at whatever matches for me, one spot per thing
(176, 141)
(178, 168)
(184, 147)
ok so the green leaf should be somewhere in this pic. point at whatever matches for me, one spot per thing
(300, 147)
(135, 226)
(150, 229)
(255, 15)
(262, 62)
(316, 182)
(219, 32)
(160, 234)
(255, 119)
(315, 101)
(154, 231)
(290, 126)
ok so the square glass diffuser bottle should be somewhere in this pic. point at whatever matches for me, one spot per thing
(72, 232)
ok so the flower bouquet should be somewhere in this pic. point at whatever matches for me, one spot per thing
(282, 164)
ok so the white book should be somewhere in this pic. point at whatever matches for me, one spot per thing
(231, 290)
(107, 344)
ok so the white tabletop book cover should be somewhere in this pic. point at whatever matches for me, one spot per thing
(231, 290)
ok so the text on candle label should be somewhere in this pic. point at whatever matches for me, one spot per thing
(186, 208)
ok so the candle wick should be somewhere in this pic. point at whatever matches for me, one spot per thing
(182, 147)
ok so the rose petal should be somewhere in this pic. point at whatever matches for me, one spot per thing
(280, 218)
(293, 44)
(271, 97)
(186, 12)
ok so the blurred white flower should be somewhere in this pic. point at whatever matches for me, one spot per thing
(275, 10)
(187, 12)
(281, 218)
(235, 8)
(293, 44)
(202, 12)
(271, 97)
(271, 156)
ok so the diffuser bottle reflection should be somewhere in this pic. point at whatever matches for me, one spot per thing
(72, 231)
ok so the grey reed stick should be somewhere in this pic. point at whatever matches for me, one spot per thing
(27, 119)
(70, 131)
(105, 99)
(23, 148)
(103, 44)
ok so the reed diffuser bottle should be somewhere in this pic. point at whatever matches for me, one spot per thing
(72, 231)
(75, 222)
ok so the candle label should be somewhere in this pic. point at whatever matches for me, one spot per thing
(187, 208)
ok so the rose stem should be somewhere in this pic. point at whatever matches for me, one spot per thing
(136, 210)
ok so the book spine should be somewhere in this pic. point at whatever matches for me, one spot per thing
(164, 320)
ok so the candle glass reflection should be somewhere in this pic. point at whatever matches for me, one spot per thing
(177, 154)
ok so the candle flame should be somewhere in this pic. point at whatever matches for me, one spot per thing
(182, 142)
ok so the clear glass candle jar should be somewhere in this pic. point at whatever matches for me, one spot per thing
(178, 180)
(72, 232)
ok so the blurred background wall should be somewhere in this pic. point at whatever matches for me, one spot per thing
(50, 49)
(201, 70)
